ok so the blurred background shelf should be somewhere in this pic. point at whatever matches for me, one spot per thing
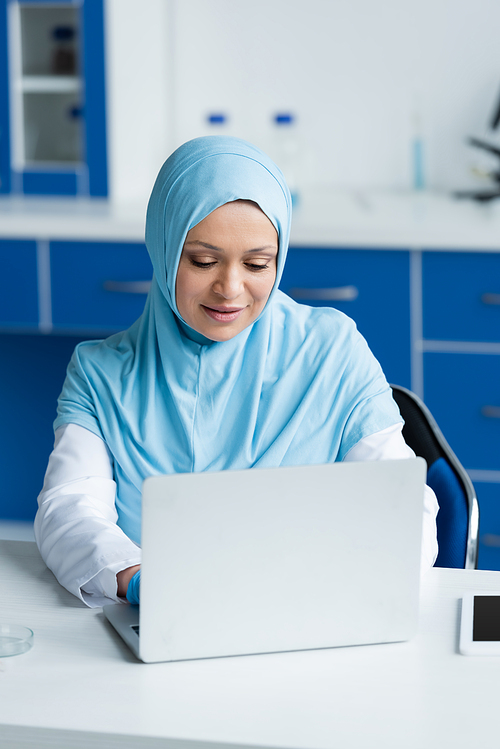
(50, 84)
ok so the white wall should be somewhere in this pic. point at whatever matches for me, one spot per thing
(138, 96)
(354, 72)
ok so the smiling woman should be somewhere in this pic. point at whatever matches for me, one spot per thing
(227, 270)
(222, 371)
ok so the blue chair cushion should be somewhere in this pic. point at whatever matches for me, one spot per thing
(452, 519)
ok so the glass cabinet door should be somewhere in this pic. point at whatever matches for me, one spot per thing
(57, 97)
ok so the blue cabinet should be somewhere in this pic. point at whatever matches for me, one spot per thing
(98, 286)
(32, 367)
(371, 286)
(79, 287)
(18, 284)
(461, 364)
(461, 293)
(488, 496)
(463, 393)
(54, 78)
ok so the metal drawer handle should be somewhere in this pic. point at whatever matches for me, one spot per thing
(491, 412)
(490, 298)
(334, 294)
(491, 539)
(128, 287)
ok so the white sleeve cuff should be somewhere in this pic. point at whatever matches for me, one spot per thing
(389, 444)
(102, 588)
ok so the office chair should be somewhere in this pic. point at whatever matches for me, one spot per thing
(458, 517)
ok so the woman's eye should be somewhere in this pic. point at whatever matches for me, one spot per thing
(256, 266)
(201, 264)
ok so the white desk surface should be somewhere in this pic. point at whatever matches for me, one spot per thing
(80, 686)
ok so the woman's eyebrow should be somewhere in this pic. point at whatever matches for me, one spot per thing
(208, 246)
(203, 244)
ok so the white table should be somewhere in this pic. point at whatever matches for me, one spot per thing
(80, 686)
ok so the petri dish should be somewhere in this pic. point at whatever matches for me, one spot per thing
(15, 639)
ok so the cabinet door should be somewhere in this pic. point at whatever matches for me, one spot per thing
(371, 286)
(18, 284)
(488, 497)
(58, 97)
(461, 296)
(98, 286)
(463, 393)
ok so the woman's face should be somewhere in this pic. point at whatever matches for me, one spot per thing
(227, 270)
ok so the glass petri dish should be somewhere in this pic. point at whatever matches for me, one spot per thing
(15, 639)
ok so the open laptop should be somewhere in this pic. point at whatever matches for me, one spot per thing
(277, 559)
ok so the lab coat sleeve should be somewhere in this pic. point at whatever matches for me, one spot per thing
(75, 526)
(389, 444)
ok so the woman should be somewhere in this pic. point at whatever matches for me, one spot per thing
(221, 371)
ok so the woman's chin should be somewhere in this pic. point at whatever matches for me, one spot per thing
(222, 334)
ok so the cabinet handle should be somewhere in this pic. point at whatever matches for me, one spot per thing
(334, 294)
(127, 287)
(491, 412)
(490, 298)
(491, 539)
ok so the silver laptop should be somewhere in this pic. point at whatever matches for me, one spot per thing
(277, 559)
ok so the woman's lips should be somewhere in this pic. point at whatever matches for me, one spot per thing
(223, 314)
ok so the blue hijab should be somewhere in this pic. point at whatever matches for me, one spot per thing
(297, 386)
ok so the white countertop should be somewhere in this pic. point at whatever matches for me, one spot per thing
(57, 218)
(323, 218)
(81, 686)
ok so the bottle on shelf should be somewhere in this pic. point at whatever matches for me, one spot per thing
(418, 155)
(287, 151)
(64, 56)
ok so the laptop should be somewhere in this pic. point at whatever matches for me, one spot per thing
(277, 559)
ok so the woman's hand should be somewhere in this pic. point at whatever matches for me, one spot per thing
(123, 578)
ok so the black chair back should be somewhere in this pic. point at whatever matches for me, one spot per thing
(458, 517)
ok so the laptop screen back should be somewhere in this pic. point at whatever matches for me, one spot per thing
(278, 559)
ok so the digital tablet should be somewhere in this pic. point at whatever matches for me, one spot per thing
(480, 624)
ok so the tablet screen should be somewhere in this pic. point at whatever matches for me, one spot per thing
(486, 626)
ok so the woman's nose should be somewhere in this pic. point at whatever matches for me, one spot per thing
(229, 283)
